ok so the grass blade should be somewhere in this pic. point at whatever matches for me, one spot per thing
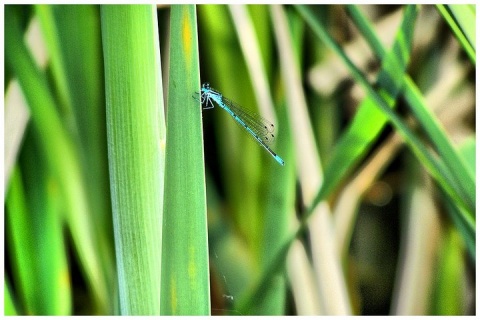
(462, 179)
(461, 19)
(464, 224)
(135, 128)
(185, 271)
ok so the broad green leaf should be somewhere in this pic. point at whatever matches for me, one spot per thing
(185, 270)
(136, 140)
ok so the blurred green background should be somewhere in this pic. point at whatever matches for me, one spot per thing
(123, 197)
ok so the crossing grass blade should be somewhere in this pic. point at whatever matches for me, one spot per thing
(136, 140)
(425, 117)
(369, 121)
(434, 165)
(457, 164)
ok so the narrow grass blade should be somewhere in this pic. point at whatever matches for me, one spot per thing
(185, 271)
(466, 224)
(136, 139)
(462, 179)
(367, 30)
(462, 21)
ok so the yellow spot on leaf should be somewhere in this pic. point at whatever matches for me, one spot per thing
(162, 144)
(192, 269)
(173, 295)
(186, 35)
